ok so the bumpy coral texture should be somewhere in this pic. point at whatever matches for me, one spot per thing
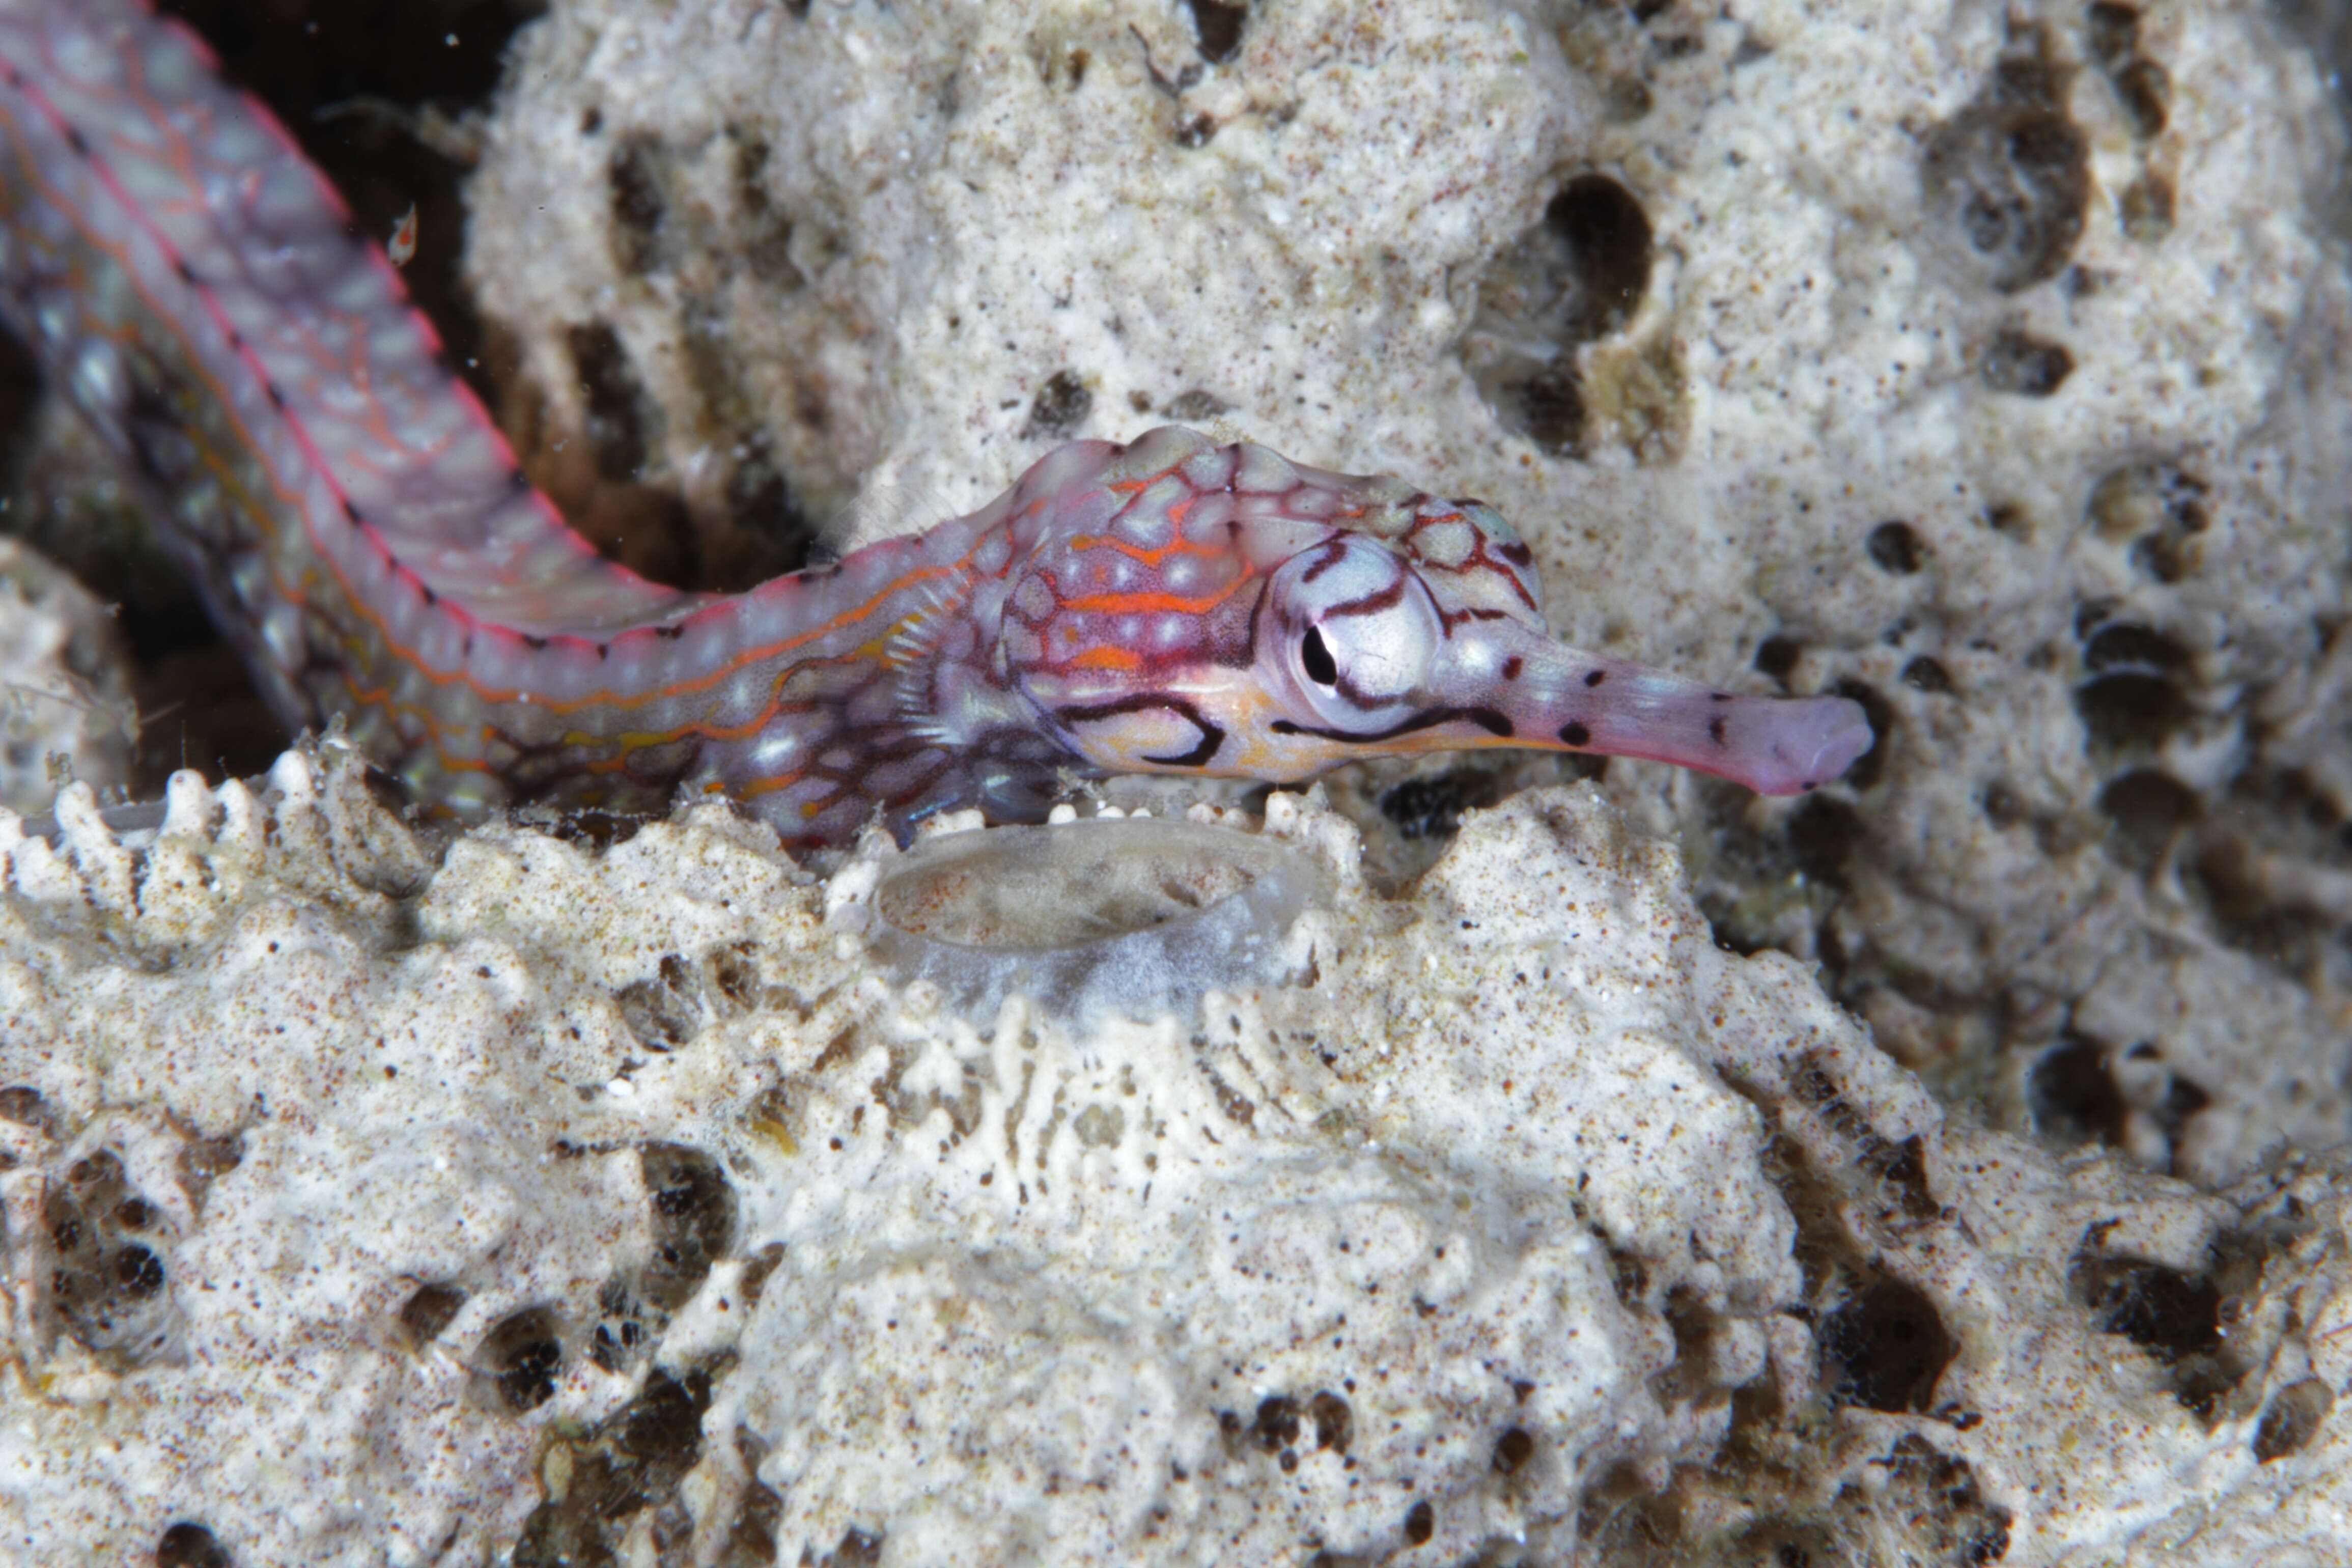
(66, 707)
(1986, 363)
(569, 1200)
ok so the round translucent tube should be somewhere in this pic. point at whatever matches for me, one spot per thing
(1135, 916)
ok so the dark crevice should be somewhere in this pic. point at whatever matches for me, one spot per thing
(2008, 179)
(1578, 276)
(1217, 27)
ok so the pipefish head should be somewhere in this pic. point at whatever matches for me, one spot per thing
(1242, 617)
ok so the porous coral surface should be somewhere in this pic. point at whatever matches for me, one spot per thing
(343, 1192)
(531, 1197)
(578, 1202)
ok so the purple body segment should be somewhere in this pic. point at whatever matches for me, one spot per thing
(358, 526)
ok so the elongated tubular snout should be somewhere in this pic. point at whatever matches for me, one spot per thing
(1556, 696)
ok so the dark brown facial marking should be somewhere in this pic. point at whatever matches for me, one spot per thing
(1715, 728)
(1575, 734)
(1511, 667)
(1486, 719)
(1211, 736)
(1595, 677)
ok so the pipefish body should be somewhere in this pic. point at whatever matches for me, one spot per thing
(360, 529)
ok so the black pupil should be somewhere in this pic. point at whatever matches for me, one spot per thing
(1320, 670)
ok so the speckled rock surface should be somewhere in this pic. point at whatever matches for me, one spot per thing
(1985, 361)
(562, 1200)
(389, 1182)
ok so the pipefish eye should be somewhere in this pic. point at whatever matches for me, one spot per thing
(1360, 631)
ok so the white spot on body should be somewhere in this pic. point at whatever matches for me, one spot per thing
(1209, 471)
(1264, 472)
(773, 753)
(1146, 524)
(1446, 543)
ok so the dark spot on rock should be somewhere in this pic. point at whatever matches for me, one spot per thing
(2008, 178)
(634, 180)
(633, 1461)
(1625, 99)
(1513, 1449)
(1924, 674)
(1276, 1425)
(2170, 1314)
(2175, 1317)
(2128, 646)
(2148, 807)
(1887, 1345)
(2113, 33)
(1577, 276)
(188, 1544)
(1432, 808)
(592, 120)
(1776, 656)
(2072, 1096)
(751, 1541)
(622, 1334)
(1061, 406)
(1546, 405)
(1195, 404)
(665, 1012)
(106, 1285)
(2016, 362)
(1420, 1523)
(764, 230)
(1822, 832)
(1947, 1512)
(2145, 89)
(2291, 1419)
(1196, 132)
(693, 1220)
(1880, 713)
(1606, 236)
(25, 1107)
(429, 1310)
(1217, 28)
(617, 407)
(138, 1273)
(1334, 1420)
(2146, 207)
(1896, 548)
(2160, 508)
(2133, 707)
(761, 503)
(521, 1356)
(1575, 734)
